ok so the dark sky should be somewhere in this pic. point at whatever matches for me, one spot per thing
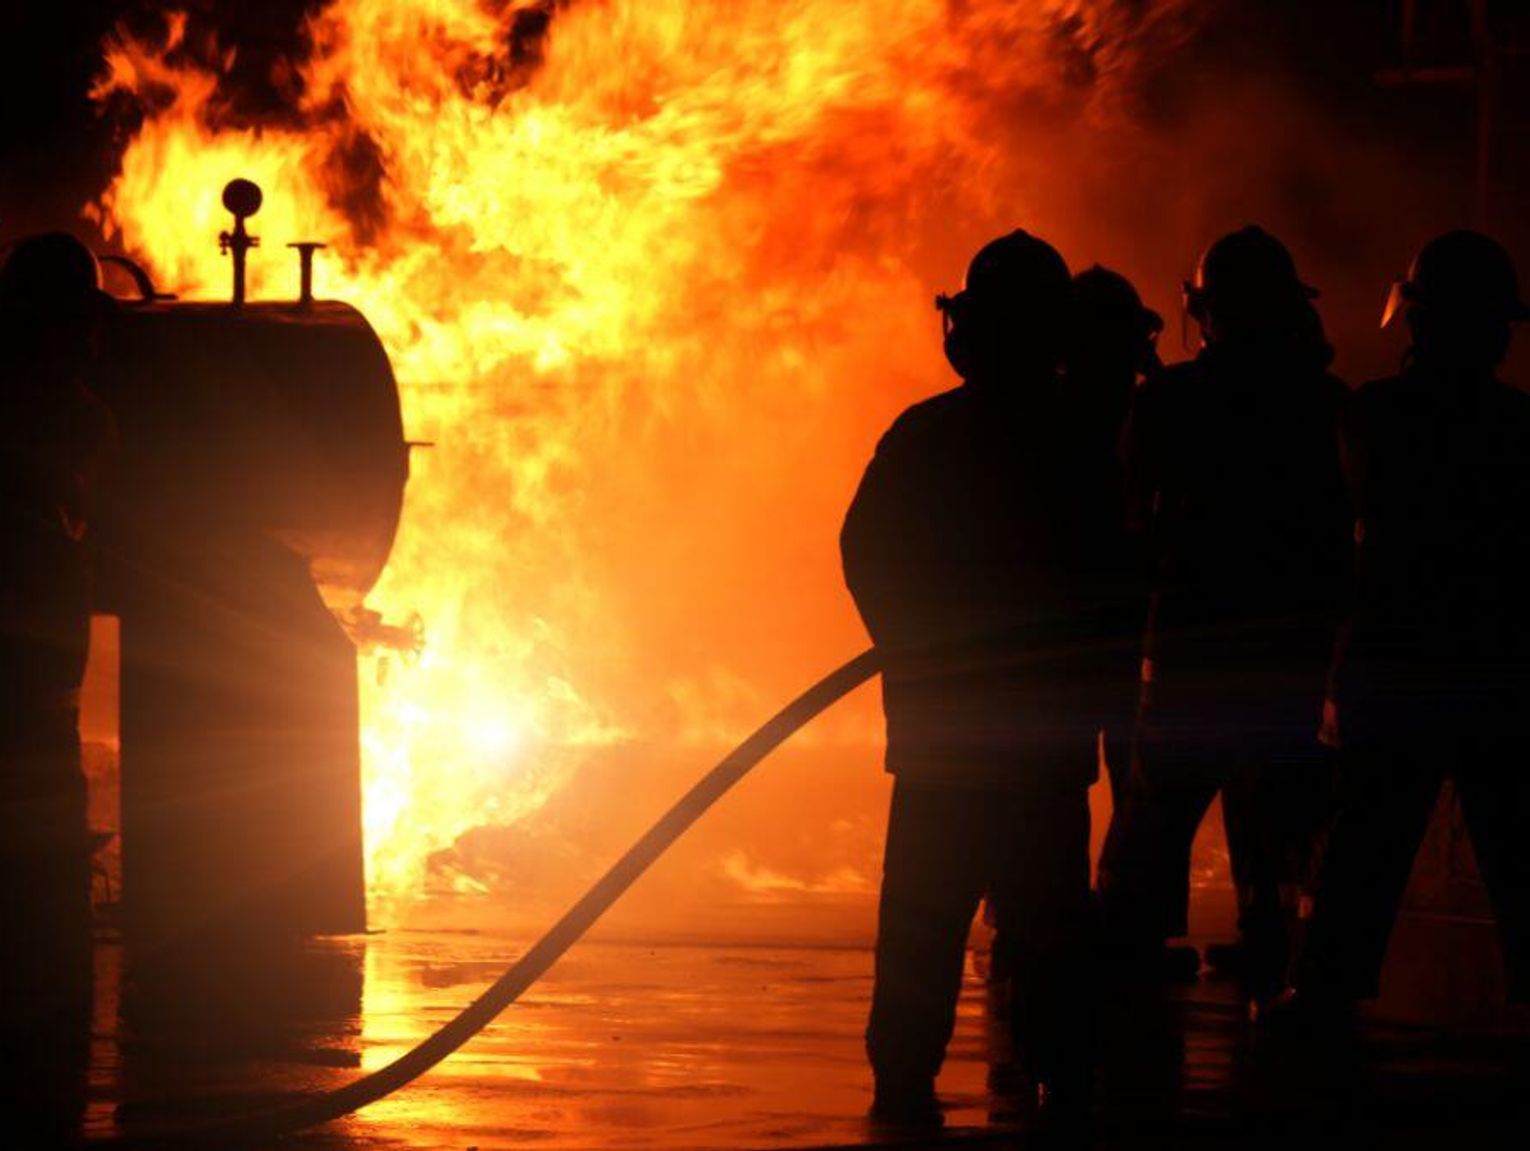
(51, 142)
(56, 151)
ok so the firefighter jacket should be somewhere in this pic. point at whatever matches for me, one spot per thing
(973, 569)
(1234, 470)
(1439, 631)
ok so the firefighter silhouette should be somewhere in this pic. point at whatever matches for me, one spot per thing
(53, 434)
(1432, 673)
(960, 555)
(1112, 349)
(1234, 475)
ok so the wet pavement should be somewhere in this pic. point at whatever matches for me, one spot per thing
(627, 1045)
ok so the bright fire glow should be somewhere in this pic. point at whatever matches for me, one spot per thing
(653, 283)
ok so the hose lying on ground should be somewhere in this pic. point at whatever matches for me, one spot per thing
(509, 987)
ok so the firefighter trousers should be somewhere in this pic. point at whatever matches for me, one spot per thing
(1388, 791)
(946, 847)
(1274, 803)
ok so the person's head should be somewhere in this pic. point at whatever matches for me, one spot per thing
(1459, 299)
(1246, 292)
(51, 304)
(1113, 336)
(1009, 318)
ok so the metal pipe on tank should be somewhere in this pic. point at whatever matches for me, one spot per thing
(305, 250)
(243, 198)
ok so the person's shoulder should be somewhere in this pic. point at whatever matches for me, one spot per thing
(1331, 395)
(1376, 404)
(1382, 387)
(923, 420)
(1514, 405)
(1379, 394)
(1515, 398)
(1168, 392)
(1172, 378)
(1335, 386)
(1174, 383)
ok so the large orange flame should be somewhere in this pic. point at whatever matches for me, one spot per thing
(653, 284)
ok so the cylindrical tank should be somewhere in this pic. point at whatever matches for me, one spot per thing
(277, 418)
(256, 491)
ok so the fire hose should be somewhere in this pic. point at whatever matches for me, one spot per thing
(530, 967)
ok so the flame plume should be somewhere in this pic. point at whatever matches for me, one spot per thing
(653, 274)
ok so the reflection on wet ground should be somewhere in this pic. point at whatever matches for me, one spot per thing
(718, 1047)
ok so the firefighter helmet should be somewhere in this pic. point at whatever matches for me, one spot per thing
(1461, 272)
(51, 274)
(1017, 283)
(1248, 267)
(1106, 300)
(1017, 271)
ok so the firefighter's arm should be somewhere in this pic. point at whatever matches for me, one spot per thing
(868, 548)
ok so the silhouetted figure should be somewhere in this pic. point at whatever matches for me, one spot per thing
(959, 552)
(1234, 471)
(52, 436)
(1112, 348)
(1432, 676)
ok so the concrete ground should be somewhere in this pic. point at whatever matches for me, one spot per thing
(628, 1045)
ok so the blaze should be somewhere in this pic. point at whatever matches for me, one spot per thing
(653, 274)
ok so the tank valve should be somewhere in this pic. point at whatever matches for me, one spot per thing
(242, 198)
(305, 251)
